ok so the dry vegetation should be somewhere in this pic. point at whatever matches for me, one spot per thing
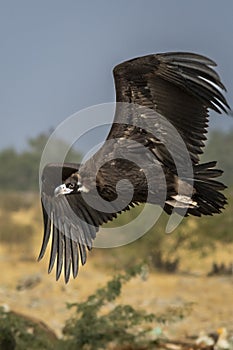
(26, 288)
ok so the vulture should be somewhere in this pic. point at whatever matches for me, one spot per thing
(158, 96)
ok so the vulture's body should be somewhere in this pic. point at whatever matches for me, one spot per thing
(157, 94)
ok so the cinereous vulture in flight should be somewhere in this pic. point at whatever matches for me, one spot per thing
(176, 89)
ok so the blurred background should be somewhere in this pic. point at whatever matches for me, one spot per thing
(56, 59)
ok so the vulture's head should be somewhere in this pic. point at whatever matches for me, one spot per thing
(71, 185)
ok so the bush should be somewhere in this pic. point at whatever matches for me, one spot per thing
(123, 325)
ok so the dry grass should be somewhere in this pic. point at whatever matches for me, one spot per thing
(47, 300)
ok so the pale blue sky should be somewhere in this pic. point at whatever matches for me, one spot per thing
(57, 56)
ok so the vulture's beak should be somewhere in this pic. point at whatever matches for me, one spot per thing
(61, 190)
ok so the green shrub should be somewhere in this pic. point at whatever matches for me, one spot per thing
(90, 328)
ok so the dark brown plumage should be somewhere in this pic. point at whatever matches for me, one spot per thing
(170, 90)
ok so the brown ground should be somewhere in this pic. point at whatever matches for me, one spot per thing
(213, 296)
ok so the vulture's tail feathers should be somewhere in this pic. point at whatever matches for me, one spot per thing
(207, 198)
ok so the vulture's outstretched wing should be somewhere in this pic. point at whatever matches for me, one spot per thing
(69, 219)
(179, 86)
(176, 89)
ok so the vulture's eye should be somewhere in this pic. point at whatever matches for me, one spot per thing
(71, 186)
